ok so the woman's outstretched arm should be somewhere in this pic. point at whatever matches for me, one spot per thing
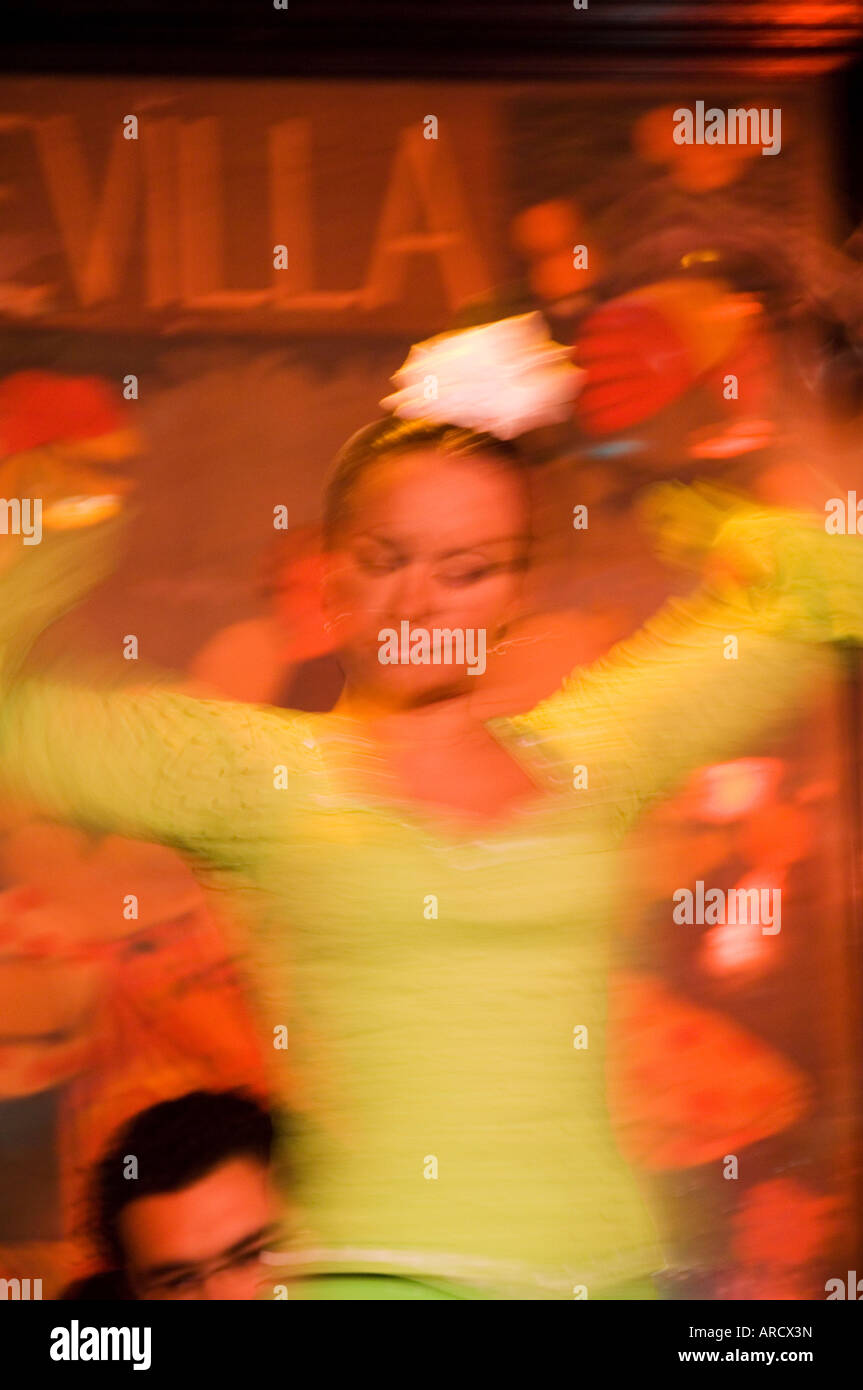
(149, 763)
(709, 675)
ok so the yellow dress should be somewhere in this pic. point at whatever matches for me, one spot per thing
(443, 994)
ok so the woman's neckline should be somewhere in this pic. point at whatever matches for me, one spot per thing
(330, 730)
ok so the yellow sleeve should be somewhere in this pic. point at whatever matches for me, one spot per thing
(709, 676)
(147, 763)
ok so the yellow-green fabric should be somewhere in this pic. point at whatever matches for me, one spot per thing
(356, 1288)
(436, 985)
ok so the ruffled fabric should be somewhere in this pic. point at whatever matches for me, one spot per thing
(779, 570)
(39, 583)
(709, 676)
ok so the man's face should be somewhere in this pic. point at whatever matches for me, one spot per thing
(204, 1241)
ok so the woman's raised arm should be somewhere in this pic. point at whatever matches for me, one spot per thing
(148, 763)
(708, 676)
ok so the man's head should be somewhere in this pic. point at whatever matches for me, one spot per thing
(184, 1200)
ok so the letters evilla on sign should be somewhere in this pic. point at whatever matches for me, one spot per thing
(223, 221)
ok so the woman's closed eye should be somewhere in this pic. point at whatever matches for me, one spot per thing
(177, 1283)
(463, 575)
(379, 565)
(456, 572)
(378, 560)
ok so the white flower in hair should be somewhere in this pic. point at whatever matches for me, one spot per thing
(504, 378)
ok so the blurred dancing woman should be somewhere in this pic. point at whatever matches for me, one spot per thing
(433, 894)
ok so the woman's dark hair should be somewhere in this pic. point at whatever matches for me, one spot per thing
(175, 1143)
(389, 437)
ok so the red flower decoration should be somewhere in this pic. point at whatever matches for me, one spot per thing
(39, 408)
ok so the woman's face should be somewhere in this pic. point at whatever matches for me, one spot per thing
(436, 542)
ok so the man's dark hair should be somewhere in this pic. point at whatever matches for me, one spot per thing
(175, 1143)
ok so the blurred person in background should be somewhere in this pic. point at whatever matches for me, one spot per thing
(285, 655)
